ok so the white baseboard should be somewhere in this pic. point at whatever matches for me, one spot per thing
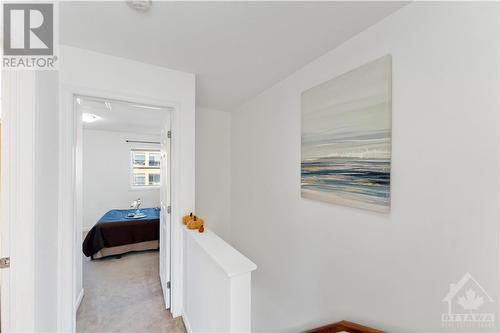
(186, 323)
(79, 299)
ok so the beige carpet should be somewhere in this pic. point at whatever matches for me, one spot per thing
(124, 295)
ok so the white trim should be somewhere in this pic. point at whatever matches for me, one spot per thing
(79, 299)
(144, 188)
(68, 199)
(187, 325)
(65, 265)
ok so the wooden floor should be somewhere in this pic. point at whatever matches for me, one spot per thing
(124, 295)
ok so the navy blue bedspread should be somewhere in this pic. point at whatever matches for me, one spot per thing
(120, 215)
(114, 229)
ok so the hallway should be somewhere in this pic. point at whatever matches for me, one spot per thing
(124, 295)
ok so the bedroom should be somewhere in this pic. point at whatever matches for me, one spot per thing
(125, 178)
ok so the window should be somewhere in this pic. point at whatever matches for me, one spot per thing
(145, 168)
(154, 178)
(139, 159)
(139, 179)
(154, 159)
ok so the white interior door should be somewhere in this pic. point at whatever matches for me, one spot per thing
(165, 212)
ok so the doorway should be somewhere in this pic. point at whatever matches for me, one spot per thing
(123, 215)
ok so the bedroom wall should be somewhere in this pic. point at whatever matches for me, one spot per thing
(319, 263)
(83, 70)
(213, 169)
(106, 174)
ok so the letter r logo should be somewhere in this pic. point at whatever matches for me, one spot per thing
(28, 29)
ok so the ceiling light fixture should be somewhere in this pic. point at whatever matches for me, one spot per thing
(78, 100)
(89, 117)
(140, 5)
(108, 105)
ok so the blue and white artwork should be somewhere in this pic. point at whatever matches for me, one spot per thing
(346, 138)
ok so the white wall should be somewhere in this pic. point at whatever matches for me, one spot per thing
(213, 166)
(87, 72)
(217, 286)
(320, 263)
(106, 173)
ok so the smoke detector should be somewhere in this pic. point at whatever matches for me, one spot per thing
(140, 5)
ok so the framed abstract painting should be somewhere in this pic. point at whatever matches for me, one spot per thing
(346, 138)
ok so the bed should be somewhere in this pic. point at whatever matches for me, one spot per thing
(116, 233)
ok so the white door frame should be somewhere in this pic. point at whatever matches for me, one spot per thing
(70, 199)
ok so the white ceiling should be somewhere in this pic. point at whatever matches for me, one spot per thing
(122, 116)
(236, 49)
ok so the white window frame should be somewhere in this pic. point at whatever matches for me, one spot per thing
(131, 170)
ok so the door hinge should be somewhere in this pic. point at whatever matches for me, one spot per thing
(169, 209)
(168, 285)
(5, 262)
(169, 134)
